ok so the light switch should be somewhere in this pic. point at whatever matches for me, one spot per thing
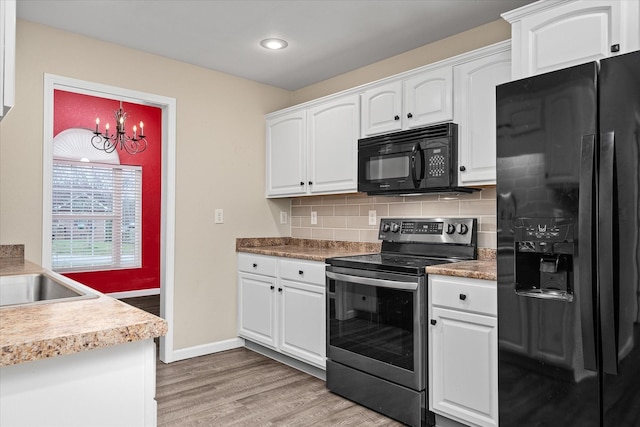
(219, 219)
(283, 217)
(314, 217)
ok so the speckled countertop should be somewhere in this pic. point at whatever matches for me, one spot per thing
(41, 331)
(312, 250)
(320, 250)
(481, 269)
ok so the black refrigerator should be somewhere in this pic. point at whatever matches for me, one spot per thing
(568, 221)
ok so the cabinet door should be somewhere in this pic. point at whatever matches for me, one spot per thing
(464, 367)
(475, 113)
(257, 308)
(428, 98)
(303, 321)
(332, 145)
(286, 164)
(574, 33)
(382, 109)
(7, 55)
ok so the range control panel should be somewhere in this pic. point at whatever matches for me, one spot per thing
(428, 230)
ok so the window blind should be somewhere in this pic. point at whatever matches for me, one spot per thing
(97, 216)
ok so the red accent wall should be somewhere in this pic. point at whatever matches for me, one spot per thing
(73, 110)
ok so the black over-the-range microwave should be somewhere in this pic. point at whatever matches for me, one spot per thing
(416, 161)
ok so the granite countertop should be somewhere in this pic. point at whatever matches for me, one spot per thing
(41, 331)
(480, 269)
(312, 250)
(320, 250)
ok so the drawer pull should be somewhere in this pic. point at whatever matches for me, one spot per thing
(279, 289)
(255, 265)
(463, 297)
(272, 287)
(300, 272)
(434, 321)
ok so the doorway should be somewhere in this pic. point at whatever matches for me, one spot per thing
(167, 222)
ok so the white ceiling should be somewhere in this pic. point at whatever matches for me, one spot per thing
(326, 38)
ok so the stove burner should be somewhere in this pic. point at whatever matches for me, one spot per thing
(416, 244)
(388, 262)
(397, 259)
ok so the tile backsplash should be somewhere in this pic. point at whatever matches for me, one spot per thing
(346, 217)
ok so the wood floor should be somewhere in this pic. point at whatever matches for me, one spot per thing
(242, 388)
(149, 303)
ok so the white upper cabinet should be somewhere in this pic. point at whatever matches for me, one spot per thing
(7, 55)
(475, 113)
(286, 154)
(332, 146)
(550, 35)
(314, 150)
(428, 98)
(382, 109)
(416, 101)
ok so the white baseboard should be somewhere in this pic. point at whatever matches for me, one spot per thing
(133, 294)
(203, 350)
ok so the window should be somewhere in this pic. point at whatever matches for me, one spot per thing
(97, 211)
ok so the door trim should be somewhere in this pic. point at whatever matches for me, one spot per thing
(167, 231)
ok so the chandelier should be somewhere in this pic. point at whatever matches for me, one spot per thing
(131, 144)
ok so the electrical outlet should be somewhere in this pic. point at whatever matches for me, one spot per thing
(314, 217)
(372, 218)
(219, 218)
(283, 217)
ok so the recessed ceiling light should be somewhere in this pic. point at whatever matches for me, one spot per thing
(274, 44)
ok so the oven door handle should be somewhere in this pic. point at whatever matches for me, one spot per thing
(383, 283)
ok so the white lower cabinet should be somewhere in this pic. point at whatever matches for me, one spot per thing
(463, 350)
(282, 305)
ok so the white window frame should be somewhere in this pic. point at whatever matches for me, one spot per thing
(91, 254)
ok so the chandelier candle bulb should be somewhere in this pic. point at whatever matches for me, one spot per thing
(97, 124)
(141, 130)
(134, 131)
(106, 131)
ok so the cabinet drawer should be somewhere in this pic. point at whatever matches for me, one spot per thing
(301, 271)
(473, 295)
(257, 264)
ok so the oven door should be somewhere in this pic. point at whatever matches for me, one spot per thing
(374, 324)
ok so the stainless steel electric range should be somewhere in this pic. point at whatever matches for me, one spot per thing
(376, 314)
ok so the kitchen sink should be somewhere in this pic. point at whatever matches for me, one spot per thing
(28, 289)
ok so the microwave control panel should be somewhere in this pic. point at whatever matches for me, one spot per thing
(437, 164)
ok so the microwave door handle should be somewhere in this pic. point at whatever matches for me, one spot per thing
(382, 283)
(414, 175)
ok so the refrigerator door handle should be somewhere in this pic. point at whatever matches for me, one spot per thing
(586, 231)
(605, 254)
